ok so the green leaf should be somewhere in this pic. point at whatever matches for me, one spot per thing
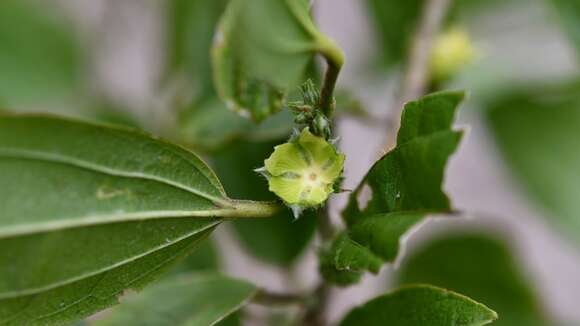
(90, 211)
(40, 59)
(481, 266)
(195, 299)
(345, 260)
(569, 12)
(191, 26)
(395, 23)
(537, 129)
(205, 258)
(209, 125)
(263, 49)
(404, 186)
(276, 240)
(420, 305)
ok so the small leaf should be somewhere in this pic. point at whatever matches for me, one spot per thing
(480, 266)
(194, 299)
(342, 263)
(420, 305)
(262, 50)
(404, 185)
(536, 129)
(90, 211)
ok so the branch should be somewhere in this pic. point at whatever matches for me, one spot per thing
(416, 74)
(266, 298)
(315, 314)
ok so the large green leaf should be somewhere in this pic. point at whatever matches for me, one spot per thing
(480, 266)
(404, 186)
(196, 299)
(39, 57)
(420, 305)
(262, 51)
(537, 131)
(277, 240)
(89, 211)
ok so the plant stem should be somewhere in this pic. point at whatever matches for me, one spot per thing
(252, 209)
(334, 60)
(315, 314)
(416, 74)
(264, 297)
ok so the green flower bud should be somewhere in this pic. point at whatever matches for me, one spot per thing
(303, 171)
(452, 51)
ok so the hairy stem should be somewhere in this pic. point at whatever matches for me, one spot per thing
(252, 209)
(334, 60)
(416, 77)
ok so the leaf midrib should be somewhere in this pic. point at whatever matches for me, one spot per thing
(72, 222)
(55, 158)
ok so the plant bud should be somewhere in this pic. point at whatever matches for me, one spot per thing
(452, 51)
(302, 172)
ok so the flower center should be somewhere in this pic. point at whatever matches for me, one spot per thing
(312, 176)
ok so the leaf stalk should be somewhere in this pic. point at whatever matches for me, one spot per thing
(334, 59)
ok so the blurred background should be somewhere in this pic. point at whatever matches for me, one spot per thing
(515, 178)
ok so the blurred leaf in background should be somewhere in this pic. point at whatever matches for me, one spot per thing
(537, 129)
(480, 266)
(255, 67)
(279, 239)
(192, 299)
(569, 17)
(208, 125)
(418, 305)
(190, 32)
(395, 23)
(204, 258)
(40, 57)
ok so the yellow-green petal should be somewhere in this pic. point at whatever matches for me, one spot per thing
(289, 189)
(317, 148)
(316, 195)
(333, 169)
(286, 158)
